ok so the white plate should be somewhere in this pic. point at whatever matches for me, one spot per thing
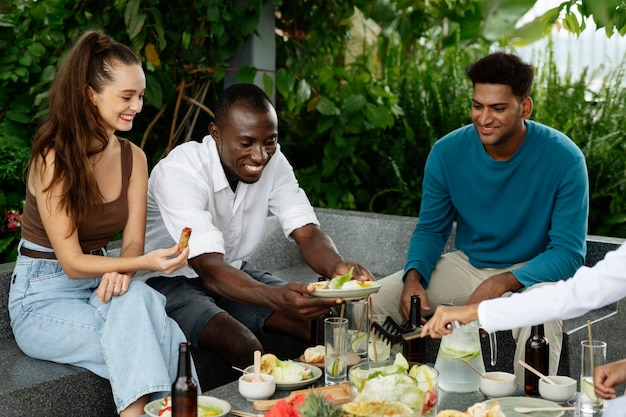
(291, 385)
(153, 407)
(507, 404)
(349, 294)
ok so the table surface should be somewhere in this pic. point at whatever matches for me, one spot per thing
(447, 400)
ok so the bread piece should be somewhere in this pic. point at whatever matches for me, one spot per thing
(478, 410)
(268, 362)
(453, 413)
(495, 410)
(376, 409)
(314, 354)
(184, 238)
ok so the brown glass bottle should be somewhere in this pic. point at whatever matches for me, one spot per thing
(184, 388)
(415, 350)
(537, 356)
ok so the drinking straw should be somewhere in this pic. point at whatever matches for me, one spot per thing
(591, 352)
(363, 311)
(339, 341)
(373, 333)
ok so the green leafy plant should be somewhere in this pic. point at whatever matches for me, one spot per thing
(357, 117)
(592, 114)
(13, 155)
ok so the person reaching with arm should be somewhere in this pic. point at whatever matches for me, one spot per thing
(590, 288)
(223, 188)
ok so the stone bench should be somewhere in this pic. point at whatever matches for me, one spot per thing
(31, 387)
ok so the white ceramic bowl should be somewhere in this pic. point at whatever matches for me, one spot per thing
(257, 390)
(563, 390)
(498, 384)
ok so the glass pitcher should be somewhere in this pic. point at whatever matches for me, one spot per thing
(463, 344)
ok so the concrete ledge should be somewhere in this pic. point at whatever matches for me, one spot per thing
(32, 388)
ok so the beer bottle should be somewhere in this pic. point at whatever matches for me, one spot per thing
(184, 388)
(537, 356)
(415, 350)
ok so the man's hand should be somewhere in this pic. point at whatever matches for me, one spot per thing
(412, 286)
(606, 377)
(359, 272)
(494, 287)
(292, 299)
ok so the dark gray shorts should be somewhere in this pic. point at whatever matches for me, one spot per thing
(191, 305)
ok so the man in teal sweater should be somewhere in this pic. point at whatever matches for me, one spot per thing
(518, 191)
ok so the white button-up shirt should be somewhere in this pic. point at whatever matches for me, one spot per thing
(188, 188)
(588, 289)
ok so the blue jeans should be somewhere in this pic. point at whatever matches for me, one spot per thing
(615, 408)
(130, 340)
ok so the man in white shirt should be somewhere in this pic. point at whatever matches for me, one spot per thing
(223, 189)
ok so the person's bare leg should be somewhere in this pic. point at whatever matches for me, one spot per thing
(290, 325)
(230, 339)
(135, 409)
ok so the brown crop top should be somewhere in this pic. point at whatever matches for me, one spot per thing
(105, 221)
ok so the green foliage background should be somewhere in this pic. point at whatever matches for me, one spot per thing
(357, 132)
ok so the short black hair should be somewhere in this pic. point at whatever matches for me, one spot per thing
(503, 68)
(250, 95)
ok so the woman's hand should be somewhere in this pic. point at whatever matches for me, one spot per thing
(607, 377)
(167, 260)
(112, 283)
(440, 323)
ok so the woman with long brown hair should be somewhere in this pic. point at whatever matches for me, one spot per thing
(69, 303)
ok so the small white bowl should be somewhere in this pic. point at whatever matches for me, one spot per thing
(498, 384)
(563, 390)
(257, 390)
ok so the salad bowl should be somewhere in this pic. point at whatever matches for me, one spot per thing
(396, 380)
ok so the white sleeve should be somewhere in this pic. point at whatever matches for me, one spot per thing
(588, 289)
(182, 196)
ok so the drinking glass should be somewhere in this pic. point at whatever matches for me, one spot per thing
(592, 354)
(336, 350)
(382, 350)
(357, 314)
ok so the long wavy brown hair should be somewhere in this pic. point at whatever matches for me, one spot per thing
(72, 125)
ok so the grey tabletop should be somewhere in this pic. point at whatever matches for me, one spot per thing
(230, 393)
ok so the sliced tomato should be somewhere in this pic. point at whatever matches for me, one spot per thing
(430, 400)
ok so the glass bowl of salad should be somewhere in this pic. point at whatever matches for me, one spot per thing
(415, 385)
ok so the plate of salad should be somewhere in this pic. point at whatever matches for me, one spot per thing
(345, 287)
(289, 375)
(207, 407)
